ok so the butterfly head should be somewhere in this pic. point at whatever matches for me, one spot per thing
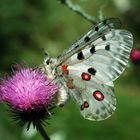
(49, 65)
(48, 61)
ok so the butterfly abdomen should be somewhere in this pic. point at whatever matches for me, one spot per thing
(61, 97)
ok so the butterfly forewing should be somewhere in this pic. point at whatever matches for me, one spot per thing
(109, 57)
(96, 32)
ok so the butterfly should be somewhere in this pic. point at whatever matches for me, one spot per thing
(87, 69)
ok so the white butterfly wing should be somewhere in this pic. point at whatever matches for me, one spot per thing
(96, 101)
(101, 55)
(96, 32)
(108, 57)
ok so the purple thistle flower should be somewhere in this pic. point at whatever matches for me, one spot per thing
(27, 89)
(29, 94)
(135, 56)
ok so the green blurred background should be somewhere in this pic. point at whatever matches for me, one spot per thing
(28, 26)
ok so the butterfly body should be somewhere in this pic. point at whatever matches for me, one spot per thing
(86, 70)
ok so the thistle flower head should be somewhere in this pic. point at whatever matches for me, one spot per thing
(29, 93)
(135, 56)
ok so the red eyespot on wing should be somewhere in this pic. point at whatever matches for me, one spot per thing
(66, 72)
(84, 105)
(64, 69)
(69, 84)
(98, 95)
(86, 76)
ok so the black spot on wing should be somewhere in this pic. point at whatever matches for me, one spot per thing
(96, 28)
(92, 49)
(48, 62)
(86, 39)
(80, 55)
(76, 46)
(107, 47)
(92, 71)
(103, 37)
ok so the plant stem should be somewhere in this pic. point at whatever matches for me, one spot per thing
(42, 131)
(79, 11)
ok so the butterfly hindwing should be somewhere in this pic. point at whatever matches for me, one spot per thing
(96, 101)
